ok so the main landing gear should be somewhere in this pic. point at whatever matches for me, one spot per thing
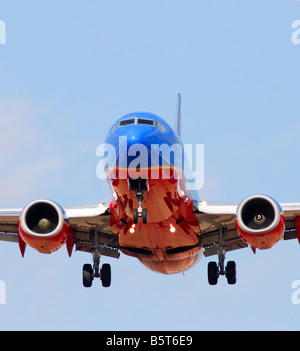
(90, 272)
(139, 186)
(214, 270)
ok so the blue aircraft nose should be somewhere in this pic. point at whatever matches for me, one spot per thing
(138, 134)
(135, 144)
(134, 135)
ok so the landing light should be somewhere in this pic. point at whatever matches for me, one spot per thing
(132, 229)
(172, 228)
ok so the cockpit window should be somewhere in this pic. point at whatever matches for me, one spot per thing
(160, 126)
(125, 122)
(114, 127)
(149, 122)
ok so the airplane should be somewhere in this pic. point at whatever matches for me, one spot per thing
(154, 215)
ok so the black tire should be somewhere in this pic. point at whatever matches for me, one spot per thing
(231, 272)
(145, 215)
(135, 216)
(212, 273)
(106, 275)
(87, 275)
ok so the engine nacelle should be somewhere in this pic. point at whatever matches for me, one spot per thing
(44, 226)
(260, 221)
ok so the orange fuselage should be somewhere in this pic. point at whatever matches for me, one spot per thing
(169, 241)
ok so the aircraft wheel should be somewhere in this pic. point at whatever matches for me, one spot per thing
(106, 275)
(231, 272)
(135, 216)
(212, 272)
(145, 215)
(87, 275)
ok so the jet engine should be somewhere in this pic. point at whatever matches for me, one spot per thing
(260, 221)
(44, 226)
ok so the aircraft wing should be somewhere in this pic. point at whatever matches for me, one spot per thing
(86, 222)
(218, 218)
(215, 219)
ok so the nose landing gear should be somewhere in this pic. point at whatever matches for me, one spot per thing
(139, 186)
(140, 212)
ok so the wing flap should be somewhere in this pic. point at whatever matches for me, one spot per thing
(88, 221)
(108, 244)
(9, 219)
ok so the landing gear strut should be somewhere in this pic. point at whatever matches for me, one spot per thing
(139, 187)
(214, 270)
(90, 272)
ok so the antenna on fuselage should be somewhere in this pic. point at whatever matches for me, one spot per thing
(178, 116)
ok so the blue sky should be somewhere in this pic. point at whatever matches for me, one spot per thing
(69, 69)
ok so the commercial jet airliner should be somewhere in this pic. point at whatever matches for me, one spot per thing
(155, 214)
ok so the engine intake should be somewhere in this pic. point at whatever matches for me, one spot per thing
(42, 218)
(44, 226)
(260, 221)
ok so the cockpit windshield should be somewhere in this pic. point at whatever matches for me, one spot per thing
(149, 122)
(125, 122)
